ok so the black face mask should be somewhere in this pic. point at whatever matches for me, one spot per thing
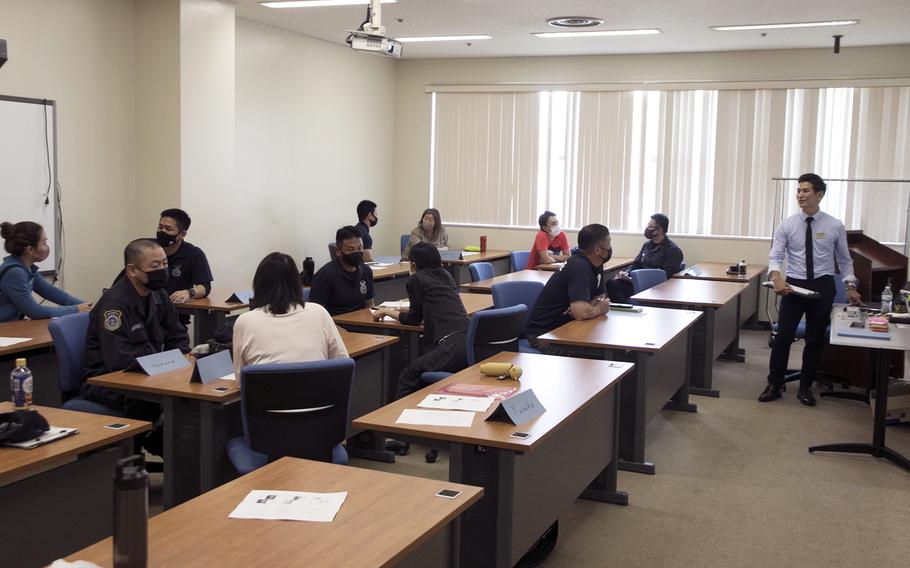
(374, 220)
(352, 258)
(607, 258)
(165, 239)
(157, 279)
(650, 232)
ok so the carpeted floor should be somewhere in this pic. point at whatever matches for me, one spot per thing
(736, 486)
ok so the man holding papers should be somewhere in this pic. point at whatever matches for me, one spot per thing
(133, 318)
(810, 241)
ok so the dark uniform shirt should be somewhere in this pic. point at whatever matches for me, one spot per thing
(340, 291)
(188, 267)
(666, 255)
(577, 281)
(365, 235)
(124, 325)
(434, 300)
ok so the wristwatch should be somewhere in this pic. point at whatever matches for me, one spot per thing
(192, 292)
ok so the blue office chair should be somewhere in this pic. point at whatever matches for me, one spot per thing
(332, 248)
(519, 259)
(293, 409)
(792, 375)
(682, 266)
(645, 278)
(481, 271)
(404, 242)
(68, 333)
(306, 294)
(507, 294)
(489, 332)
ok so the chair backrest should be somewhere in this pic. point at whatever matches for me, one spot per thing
(508, 294)
(645, 278)
(306, 294)
(404, 242)
(682, 266)
(493, 331)
(68, 333)
(519, 259)
(296, 409)
(331, 251)
(840, 290)
(481, 271)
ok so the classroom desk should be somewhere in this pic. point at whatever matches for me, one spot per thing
(59, 497)
(501, 261)
(209, 313)
(386, 520)
(198, 419)
(717, 271)
(716, 334)
(390, 282)
(527, 483)
(616, 264)
(42, 360)
(657, 341)
(880, 353)
(486, 286)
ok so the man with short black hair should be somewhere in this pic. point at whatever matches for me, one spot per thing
(366, 219)
(345, 283)
(550, 244)
(657, 252)
(189, 273)
(576, 291)
(133, 318)
(810, 241)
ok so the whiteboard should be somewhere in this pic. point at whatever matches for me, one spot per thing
(28, 167)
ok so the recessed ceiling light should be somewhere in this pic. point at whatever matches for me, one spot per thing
(574, 22)
(320, 3)
(784, 26)
(442, 38)
(600, 33)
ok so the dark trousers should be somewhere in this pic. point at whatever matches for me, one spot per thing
(448, 355)
(620, 291)
(559, 350)
(134, 408)
(818, 316)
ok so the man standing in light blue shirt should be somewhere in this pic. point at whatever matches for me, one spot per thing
(810, 241)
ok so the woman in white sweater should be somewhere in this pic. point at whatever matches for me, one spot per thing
(283, 328)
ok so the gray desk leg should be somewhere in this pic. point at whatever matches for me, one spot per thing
(680, 400)
(204, 325)
(604, 486)
(702, 366)
(733, 351)
(181, 450)
(170, 447)
(206, 446)
(633, 419)
(375, 449)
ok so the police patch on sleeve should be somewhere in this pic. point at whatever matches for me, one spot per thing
(113, 319)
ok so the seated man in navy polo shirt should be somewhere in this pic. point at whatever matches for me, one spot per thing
(189, 275)
(575, 292)
(345, 284)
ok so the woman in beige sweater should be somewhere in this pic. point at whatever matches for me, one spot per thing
(283, 328)
(428, 230)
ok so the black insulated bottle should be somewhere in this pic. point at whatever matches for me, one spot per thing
(131, 513)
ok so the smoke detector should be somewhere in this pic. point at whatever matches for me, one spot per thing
(574, 22)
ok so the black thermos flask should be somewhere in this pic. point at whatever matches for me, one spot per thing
(309, 267)
(131, 513)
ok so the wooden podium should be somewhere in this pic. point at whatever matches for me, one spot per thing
(874, 264)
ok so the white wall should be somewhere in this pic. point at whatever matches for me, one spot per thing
(315, 122)
(81, 54)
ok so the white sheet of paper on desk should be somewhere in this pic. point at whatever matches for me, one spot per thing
(397, 305)
(379, 264)
(454, 418)
(468, 253)
(289, 506)
(229, 377)
(452, 402)
(10, 341)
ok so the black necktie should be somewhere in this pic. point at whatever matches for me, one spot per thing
(810, 267)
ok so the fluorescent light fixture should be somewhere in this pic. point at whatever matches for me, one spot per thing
(442, 38)
(600, 33)
(784, 26)
(320, 3)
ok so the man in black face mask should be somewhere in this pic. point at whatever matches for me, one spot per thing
(576, 291)
(366, 219)
(189, 273)
(345, 284)
(657, 252)
(133, 318)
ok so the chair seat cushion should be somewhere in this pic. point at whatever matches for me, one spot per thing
(525, 347)
(244, 459)
(82, 405)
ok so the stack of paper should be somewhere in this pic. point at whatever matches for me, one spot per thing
(436, 418)
(451, 402)
(877, 324)
(10, 341)
(289, 506)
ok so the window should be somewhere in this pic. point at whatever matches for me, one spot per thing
(703, 157)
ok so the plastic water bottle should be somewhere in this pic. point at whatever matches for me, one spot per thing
(887, 298)
(131, 513)
(21, 385)
(741, 266)
(309, 268)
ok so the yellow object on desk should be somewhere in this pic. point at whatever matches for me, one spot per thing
(501, 370)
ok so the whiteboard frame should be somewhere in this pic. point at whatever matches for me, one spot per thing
(55, 194)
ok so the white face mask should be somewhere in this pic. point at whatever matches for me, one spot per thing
(428, 227)
(555, 230)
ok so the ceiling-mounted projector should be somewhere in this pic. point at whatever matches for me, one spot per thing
(371, 36)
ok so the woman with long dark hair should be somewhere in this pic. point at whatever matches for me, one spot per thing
(428, 230)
